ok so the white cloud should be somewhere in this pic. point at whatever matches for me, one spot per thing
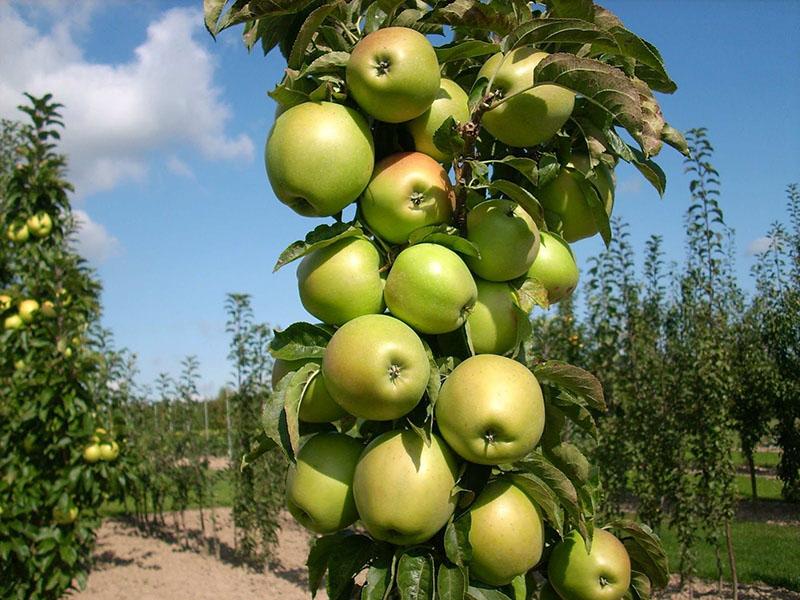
(93, 240)
(117, 115)
(759, 246)
(631, 186)
(177, 167)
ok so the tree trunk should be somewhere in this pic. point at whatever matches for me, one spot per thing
(732, 560)
(751, 464)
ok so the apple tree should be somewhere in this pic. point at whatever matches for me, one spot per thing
(425, 444)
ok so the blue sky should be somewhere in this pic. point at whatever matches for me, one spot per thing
(165, 134)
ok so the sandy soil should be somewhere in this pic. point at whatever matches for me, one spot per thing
(132, 566)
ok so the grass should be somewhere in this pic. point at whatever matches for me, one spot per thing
(767, 488)
(761, 459)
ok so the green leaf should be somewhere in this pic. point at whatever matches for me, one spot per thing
(571, 9)
(322, 236)
(479, 592)
(645, 549)
(274, 417)
(530, 292)
(258, 448)
(377, 14)
(499, 17)
(575, 380)
(544, 497)
(451, 582)
(415, 575)
(300, 341)
(629, 45)
(465, 49)
(456, 541)
(525, 166)
(380, 576)
(597, 209)
(576, 410)
(447, 138)
(309, 28)
(522, 197)
(292, 399)
(444, 235)
(675, 138)
(641, 585)
(556, 31)
(347, 560)
(332, 61)
(570, 460)
(243, 11)
(561, 485)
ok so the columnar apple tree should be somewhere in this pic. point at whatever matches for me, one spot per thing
(425, 444)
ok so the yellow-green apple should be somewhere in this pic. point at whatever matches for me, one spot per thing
(48, 309)
(19, 365)
(534, 114)
(407, 191)
(91, 453)
(507, 238)
(13, 322)
(342, 281)
(319, 157)
(451, 101)
(65, 517)
(109, 451)
(376, 368)
(490, 410)
(404, 488)
(5, 302)
(40, 224)
(603, 574)
(319, 488)
(493, 321)
(316, 406)
(555, 267)
(430, 288)
(506, 533)
(393, 74)
(27, 309)
(18, 232)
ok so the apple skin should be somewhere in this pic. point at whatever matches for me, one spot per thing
(13, 322)
(40, 224)
(555, 267)
(393, 74)
(342, 281)
(319, 487)
(403, 488)
(532, 116)
(430, 288)
(109, 451)
(506, 533)
(408, 190)
(317, 405)
(48, 309)
(490, 410)
(507, 238)
(18, 232)
(376, 368)
(65, 518)
(493, 321)
(27, 309)
(312, 134)
(5, 302)
(451, 101)
(605, 574)
(91, 453)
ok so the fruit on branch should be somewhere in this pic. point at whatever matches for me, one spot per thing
(316, 406)
(40, 224)
(430, 288)
(18, 232)
(566, 197)
(65, 517)
(342, 281)
(493, 321)
(534, 114)
(48, 309)
(319, 157)
(603, 574)
(393, 74)
(506, 533)
(555, 267)
(407, 191)
(109, 451)
(91, 453)
(12, 322)
(507, 238)
(27, 309)
(376, 367)
(5, 302)
(404, 488)
(451, 101)
(490, 410)
(319, 488)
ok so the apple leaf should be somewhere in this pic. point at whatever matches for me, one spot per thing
(378, 13)
(262, 444)
(415, 575)
(577, 411)
(571, 9)
(561, 485)
(309, 28)
(444, 235)
(348, 559)
(597, 209)
(675, 138)
(647, 167)
(556, 31)
(332, 61)
(300, 340)
(645, 549)
(478, 592)
(381, 572)
(652, 119)
(292, 399)
(451, 582)
(242, 12)
(322, 236)
(522, 197)
(544, 497)
(279, 416)
(575, 380)
(524, 330)
(456, 541)
(525, 166)
(434, 379)
(571, 461)
(640, 586)
(549, 168)
(447, 138)
(465, 49)
(530, 293)
(317, 561)
(649, 63)
(500, 16)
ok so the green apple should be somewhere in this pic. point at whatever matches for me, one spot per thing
(13, 322)
(342, 281)
(430, 288)
(408, 191)
(91, 453)
(319, 157)
(507, 238)
(506, 533)
(317, 406)
(603, 574)
(5, 302)
(534, 114)
(319, 487)
(376, 368)
(548, 592)
(451, 101)
(18, 232)
(493, 321)
(40, 224)
(65, 518)
(109, 451)
(404, 488)
(393, 74)
(490, 410)
(19, 365)
(555, 267)
(27, 309)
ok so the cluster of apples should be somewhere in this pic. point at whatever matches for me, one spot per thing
(39, 224)
(320, 158)
(103, 447)
(26, 311)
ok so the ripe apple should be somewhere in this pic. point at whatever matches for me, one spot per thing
(534, 114)
(5, 302)
(48, 309)
(376, 368)
(91, 453)
(555, 267)
(109, 451)
(491, 410)
(507, 238)
(605, 574)
(40, 224)
(393, 74)
(319, 488)
(342, 281)
(18, 232)
(506, 533)
(451, 101)
(13, 322)
(430, 288)
(408, 191)
(65, 518)
(308, 136)
(26, 309)
(493, 321)
(317, 406)
(404, 488)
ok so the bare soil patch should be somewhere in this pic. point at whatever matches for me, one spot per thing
(705, 590)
